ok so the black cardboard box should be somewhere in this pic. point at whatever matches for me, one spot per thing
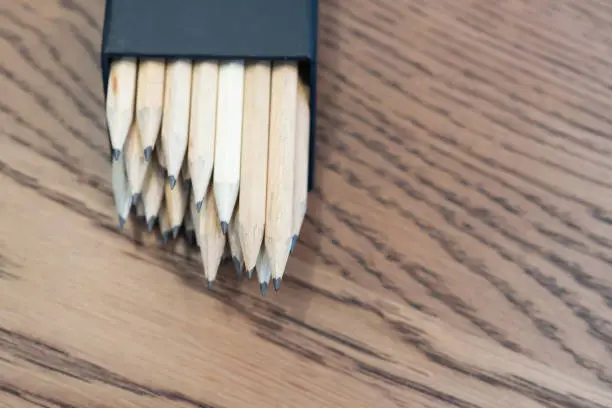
(218, 30)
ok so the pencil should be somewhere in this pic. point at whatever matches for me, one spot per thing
(161, 156)
(176, 204)
(140, 211)
(164, 225)
(235, 247)
(263, 271)
(211, 237)
(281, 156)
(153, 192)
(186, 176)
(202, 127)
(149, 102)
(254, 161)
(302, 138)
(175, 120)
(195, 220)
(120, 102)
(226, 174)
(135, 163)
(121, 189)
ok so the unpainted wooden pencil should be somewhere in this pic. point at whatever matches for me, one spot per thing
(194, 219)
(186, 176)
(149, 102)
(135, 163)
(189, 228)
(281, 169)
(121, 189)
(254, 161)
(153, 192)
(175, 119)
(120, 99)
(164, 224)
(202, 127)
(161, 156)
(300, 185)
(176, 203)
(228, 140)
(211, 237)
(263, 271)
(140, 211)
(235, 247)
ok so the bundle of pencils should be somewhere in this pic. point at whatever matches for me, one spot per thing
(219, 148)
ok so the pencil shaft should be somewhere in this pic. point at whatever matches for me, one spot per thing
(176, 203)
(150, 99)
(175, 122)
(120, 100)
(226, 175)
(254, 160)
(135, 161)
(281, 156)
(235, 247)
(121, 189)
(302, 133)
(211, 238)
(202, 128)
(153, 190)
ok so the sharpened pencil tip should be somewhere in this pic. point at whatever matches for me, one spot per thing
(224, 227)
(276, 282)
(293, 242)
(199, 205)
(209, 284)
(136, 198)
(116, 154)
(148, 152)
(121, 222)
(165, 238)
(151, 223)
(172, 181)
(250, 273)
(264, 288)
(175, 231)
(238, 266)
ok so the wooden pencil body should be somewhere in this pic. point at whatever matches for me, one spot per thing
(281, 156)
(120, 99)
(150, 99)
(302, 137)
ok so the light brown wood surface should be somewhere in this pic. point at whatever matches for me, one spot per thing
(457, 251)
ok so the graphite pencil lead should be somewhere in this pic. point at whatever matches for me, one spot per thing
(293, 242)
(175, 231)
(121, 222)
(172, 181)
(151, 223)
(199, 205)
(276, 282)
(165, 238)
(263, 287)
(209, 284)
(136, 198)
(224, 227)
(250, 273)
(116, 154)
(148, 153)
(238, 266)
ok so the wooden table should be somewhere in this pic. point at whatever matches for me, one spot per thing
(457, 250)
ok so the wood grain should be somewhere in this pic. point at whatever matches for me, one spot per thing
(457, 251)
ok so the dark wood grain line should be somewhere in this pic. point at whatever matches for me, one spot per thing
(47, 105)
(61, 362)
(73, 76)
(409, 144)
(497, 225)
(453, 248)
(17, 43)
(83, 12)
